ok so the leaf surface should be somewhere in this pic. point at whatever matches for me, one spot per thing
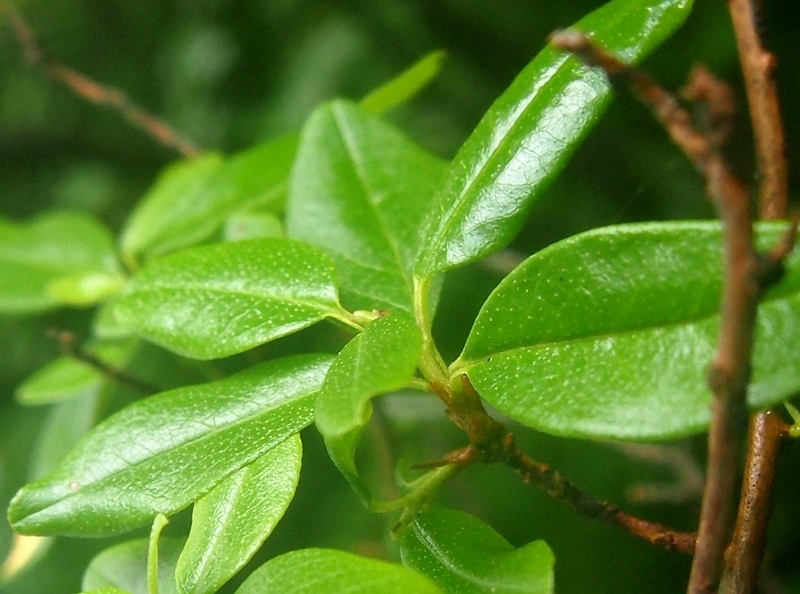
(404, 86)
(233, 520)
(529, 133)
(380, 359)
(162, 453)
(609, 334)
(465, 556)
(191, 199)
(47, 250)
(123, 567)
(218, 300)
(359, 191)
(322, 571)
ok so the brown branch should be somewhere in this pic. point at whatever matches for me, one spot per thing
(71, 348)
(744, 556)
(491, 442)
(758, 67)
(93, 91)
(745, 553)
(746, 277)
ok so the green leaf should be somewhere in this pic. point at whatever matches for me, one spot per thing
(465, 556)
(381, 359)
(232, 521)
(123, 567)
(322, 571)
(191, 199)
(252, 225)
(530, 132)
(67, 378)
(109, 590)
(42, 253)
(359, 190)
(218, 300)
(610, 333)
(64, 425)
(162, 453)
(405, 86)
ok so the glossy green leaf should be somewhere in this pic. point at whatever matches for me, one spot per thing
(379, 360)
(322, 571)
(124, 567)
(36, 255)
(359, 190)
(530, 132)
(232, 521)
(465, 556)
(109, 590)
(191, 199)
(162, 453)
(405, 86)
(610, 333)
(213, 301)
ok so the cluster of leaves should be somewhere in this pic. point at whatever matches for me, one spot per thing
(603, 335)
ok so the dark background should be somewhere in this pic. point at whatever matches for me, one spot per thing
(231, 73)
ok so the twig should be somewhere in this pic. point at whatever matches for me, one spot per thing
(758, 66)
(70, 347)
(491, 442)
(744, 557)
(93, 91)
(745, 280)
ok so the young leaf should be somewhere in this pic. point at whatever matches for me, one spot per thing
(191, 199)
(465, 556)
(405, 86)
(322, 571)
(67, 377)
(218, 300)
(36, 255)
(610, 333)
(124, 567)
(380, 359)
(359, 190)
(232, 521)
(529, 133)
(162, 453)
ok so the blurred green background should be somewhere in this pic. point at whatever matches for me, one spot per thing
(228, 74)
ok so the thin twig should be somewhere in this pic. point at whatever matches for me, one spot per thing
(93, 91)
(744, 282)
(758, 67)
(71, 348)
(744, 556)
(491, 442)
(745, 553)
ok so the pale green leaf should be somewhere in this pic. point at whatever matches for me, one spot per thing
(323, 571)
(465, 556)
(191, 200)
(123, 567)
(404, 86)
(232, 521)
(379, 360)
(40, 254)
(359, 190)
(162, 453)
(213, 301)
